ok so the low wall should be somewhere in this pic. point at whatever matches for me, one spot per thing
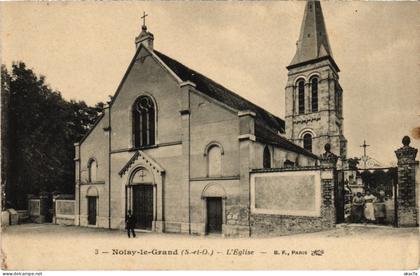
(34, 211)
(64, 212)
(23, 216)
(5, 218)
(292, 201)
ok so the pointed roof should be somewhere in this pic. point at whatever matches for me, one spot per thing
(313, 41)
(220, 93)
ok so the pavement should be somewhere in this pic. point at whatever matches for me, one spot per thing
(348, 246)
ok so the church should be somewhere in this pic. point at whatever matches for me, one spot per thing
(176, 148)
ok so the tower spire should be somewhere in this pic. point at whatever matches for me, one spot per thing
(313, 89)
(313, 39)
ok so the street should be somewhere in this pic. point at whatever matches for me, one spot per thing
(55, 247)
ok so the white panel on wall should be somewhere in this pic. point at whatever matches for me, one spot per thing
(294, 193)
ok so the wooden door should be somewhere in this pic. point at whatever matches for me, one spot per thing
(92, 210)
(214, 215)
(143, 206)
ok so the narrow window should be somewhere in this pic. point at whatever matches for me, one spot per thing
(338, 99)
(339, 104)
(214, 156)
(92, 166)
(266, 158)
(314, 88)
(143, 122)
(307, 142)
(301, 96)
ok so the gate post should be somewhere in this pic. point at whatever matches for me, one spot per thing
(406, 189)
(328, 165)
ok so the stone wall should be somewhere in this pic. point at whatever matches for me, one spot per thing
(34, 209)
(406, 201)
(93, 147)
(327, 123)
(407, 213)
(237, 221)
(39, 209)
(280, 224)
(23, 216)
(64, 212)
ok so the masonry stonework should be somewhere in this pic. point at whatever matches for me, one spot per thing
(202, 143)
(406, 201)
(269, 224)
(318, 111)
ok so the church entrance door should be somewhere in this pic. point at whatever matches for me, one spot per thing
(143, 206)
(214, 215)
(91, 210)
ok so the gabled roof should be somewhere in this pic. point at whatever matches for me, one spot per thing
(268, 136)
(267, 126)
(220, 93)
(100, 116)
(313, 41)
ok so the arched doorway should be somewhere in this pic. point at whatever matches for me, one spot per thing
(140, 198)
(92, 203)
(214, 195)
(143, 191)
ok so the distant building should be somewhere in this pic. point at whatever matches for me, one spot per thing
(368, 162)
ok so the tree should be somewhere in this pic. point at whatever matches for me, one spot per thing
(353, 162)
(5, 129)
(42, 130)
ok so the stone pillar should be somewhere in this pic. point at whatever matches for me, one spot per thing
(44, 207)
(185, 204)
(290, 104)
(328, 159)
(77, 183)
(239, 212)
(329, 187)
(406, 189)
(158, 189)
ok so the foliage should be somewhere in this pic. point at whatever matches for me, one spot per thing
(42, 129)
(353, 163)
(377, 180)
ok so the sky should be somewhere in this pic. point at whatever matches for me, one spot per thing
(84, 48)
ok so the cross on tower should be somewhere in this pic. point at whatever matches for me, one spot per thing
(144, 18)
(364, 146)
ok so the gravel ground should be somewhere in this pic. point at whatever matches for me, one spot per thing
(54, 247)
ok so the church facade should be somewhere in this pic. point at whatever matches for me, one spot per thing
(177, 148)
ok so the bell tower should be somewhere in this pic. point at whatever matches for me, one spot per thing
(146, 38)
(314, 97)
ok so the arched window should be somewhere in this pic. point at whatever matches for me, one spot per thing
(266, 158)
(307, 142)
(301, 96)
(214, 159)
(143, 122)
(92, 166)
(314, 89)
